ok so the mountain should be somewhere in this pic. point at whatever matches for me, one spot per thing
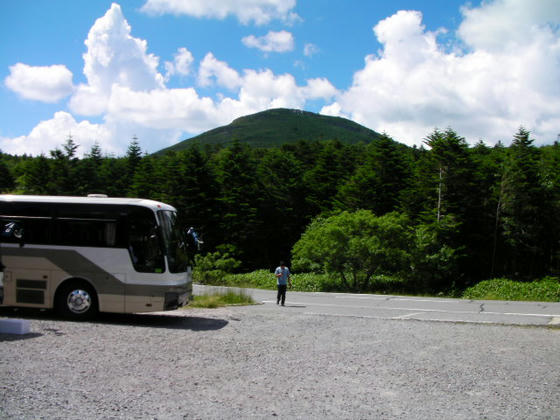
(275, 127)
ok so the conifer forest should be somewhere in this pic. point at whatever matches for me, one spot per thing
(467, 213)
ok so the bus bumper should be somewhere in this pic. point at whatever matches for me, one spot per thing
(174, 300)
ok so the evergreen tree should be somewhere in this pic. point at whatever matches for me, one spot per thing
(452, 174)
(114, 177)
(133, 156)
(377, 183)
(550, 179)
(489, 166)
(62, 179)
(36, 176)
(7, 181)
(88, 174)
(95, 154)
(147, 179)
(332, 168)
(444, 182)
(191, 187)
(283, 206)
(238, 201)
(70, 147)
(524, 208)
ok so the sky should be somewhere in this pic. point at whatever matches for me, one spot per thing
(162, 71)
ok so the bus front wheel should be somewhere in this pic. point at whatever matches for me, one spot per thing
(76, 300)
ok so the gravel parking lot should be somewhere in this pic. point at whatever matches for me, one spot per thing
(266, 361)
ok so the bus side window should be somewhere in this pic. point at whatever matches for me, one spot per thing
(95, 233)
(34, 223)
(145, 244)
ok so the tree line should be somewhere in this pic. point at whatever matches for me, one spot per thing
(495, 209)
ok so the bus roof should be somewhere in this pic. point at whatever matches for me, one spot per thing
(94, 199)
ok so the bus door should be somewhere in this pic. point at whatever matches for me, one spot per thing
(147, 258)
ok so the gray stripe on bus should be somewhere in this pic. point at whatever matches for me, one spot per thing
(76, 265)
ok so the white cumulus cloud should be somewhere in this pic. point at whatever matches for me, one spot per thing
(506, 24)
(41, 83)
(500, 81)
(282, 41)
(113, 56)
(213, 69)
(126, 90)
(309, 50)
(50, 134)
(319, 88)
(246, 11)
(181, 64)
(412, 85)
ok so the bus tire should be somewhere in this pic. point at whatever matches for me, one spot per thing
(76, 299)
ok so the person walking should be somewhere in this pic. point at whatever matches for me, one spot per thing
(283, 279)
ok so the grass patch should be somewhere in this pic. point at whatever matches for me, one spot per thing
(220, 299)
(264, 279)
(544, 290)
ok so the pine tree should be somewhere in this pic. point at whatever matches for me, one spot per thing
(445, 193)
(147, 179)
(191, 187)
(283, 206)
(36, 174)
(62, 180)
(7, 181)
(523, 208)
(331, 170)
(377, 183)
(238, 199)
(70, 147)
(133, 156)
(88, 175)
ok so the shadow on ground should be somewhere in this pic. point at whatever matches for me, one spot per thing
(173, 320)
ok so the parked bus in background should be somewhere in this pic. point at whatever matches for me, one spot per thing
(81, 255)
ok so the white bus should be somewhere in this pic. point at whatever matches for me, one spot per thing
(81, 255)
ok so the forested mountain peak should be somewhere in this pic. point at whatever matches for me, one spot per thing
(275, 127)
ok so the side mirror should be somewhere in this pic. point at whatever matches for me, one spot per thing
(192, 233)
(12, 230)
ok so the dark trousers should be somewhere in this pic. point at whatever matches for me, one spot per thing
(281, 293)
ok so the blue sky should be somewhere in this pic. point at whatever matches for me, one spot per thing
(165, 70)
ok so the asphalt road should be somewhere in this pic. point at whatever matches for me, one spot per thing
(412, 308)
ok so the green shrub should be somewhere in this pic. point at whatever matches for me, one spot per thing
(544, 290)
(354, 247)
(214, 266)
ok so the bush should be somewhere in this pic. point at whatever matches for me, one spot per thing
(214, 266)
(544, 290)
(355, 247)
(433, 262)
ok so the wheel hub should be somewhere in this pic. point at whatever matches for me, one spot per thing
(79, 301)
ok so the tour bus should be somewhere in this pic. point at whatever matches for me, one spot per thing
(81, 255)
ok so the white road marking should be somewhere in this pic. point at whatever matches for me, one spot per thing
(420, 310)
(396, 318)
(408, 315)
(393, 298)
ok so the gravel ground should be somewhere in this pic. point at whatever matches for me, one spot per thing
(265, 361)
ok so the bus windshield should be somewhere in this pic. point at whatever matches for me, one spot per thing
(175, 245)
